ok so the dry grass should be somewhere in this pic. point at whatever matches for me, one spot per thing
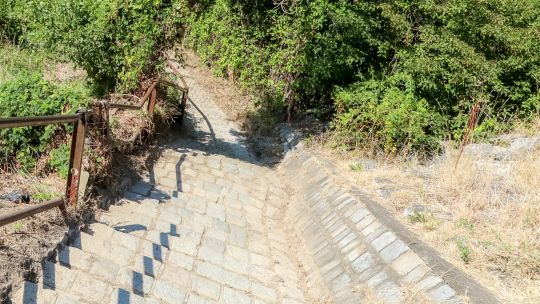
(413, 295)
(24, 243)
(484, 215)
(40, 188)
(236, 104)
(368, 294)
(409, 295)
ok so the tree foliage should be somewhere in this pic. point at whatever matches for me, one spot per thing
(117, 42)
(403, 73)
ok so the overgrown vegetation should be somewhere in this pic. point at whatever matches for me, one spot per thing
(31, 95)
(393, 76)
(118, 43)
(396, 74)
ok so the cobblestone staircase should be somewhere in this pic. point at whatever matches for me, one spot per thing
(209, 224)
(201, 229)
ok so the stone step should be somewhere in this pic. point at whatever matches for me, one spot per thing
(143, 246)
(60, 284)
(104, 248)
(129, 282)
(156, 244)
(38, 294)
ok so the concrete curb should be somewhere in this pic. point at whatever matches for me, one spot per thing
(355, 242)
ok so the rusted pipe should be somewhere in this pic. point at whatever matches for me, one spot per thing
(29, 211)
(152, 104)
(75, 160)
(19, 122)
(141, 103)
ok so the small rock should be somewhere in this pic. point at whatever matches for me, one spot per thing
(16, 197)
(386, 191)
(414, 209)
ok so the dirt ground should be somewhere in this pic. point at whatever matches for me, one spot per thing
(23, 244)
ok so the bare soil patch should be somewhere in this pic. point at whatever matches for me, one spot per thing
(23, 244)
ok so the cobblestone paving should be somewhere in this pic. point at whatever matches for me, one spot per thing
(201, 229)
(205, 226)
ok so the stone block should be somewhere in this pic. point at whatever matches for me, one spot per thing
(416, 274)
(384, 240)
(362, 263)
(428, 282)
(181, 260)
(74, 258)
(263, 292)
(442, 293)
(392, 251)
(406, 262)
(231, 296)
(135, 281)
(169, 293)
(205, 287)
(235, 280)
(90, 289)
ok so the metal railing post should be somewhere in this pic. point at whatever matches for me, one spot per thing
(152, 103)
(75, 159)
(184, 101)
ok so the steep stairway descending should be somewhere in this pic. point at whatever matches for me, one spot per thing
(209, 224)
(201, 229)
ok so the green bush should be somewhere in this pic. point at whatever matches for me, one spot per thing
(31, 95)
(388, 115)
(59, 160)
(10, 27)
(453, 53)
(117, 42)
(402, 74)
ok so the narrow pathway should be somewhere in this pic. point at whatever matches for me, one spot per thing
(205, 226)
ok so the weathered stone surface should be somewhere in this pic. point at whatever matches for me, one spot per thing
(231, 296)
(168, 293)
(392, 251)
(205, 287)
(442, 293)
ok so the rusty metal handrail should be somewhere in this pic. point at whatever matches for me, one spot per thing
(75, 160)
(19, 122)
(149, 93)
(29, 211)
(77, 145)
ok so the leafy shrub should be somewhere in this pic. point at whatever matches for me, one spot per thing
(389, 114)
(117, 42)
(31, 95)
(454, 54)
(59, 160)
(10, 27)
